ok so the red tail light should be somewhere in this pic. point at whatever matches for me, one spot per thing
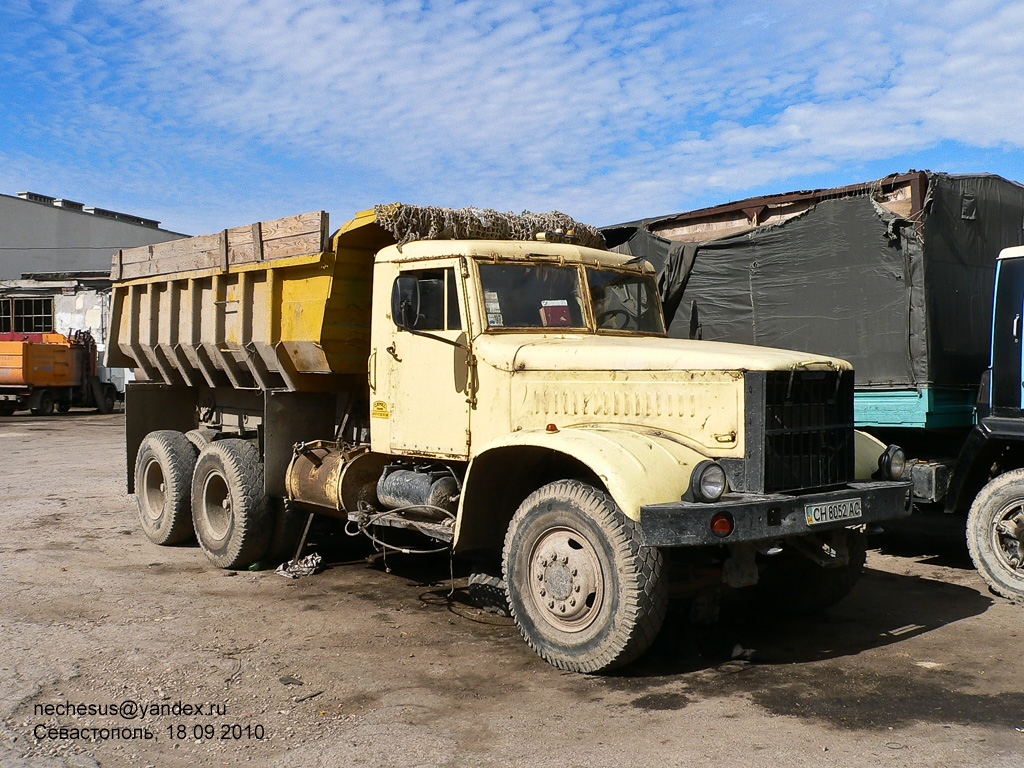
(721, 525)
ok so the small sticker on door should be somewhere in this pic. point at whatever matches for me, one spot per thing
(380, 410)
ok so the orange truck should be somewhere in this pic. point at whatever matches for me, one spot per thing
(44, 372)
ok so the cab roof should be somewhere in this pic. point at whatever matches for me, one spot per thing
(505, 250)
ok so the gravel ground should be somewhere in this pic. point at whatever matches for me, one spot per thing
(385, 664)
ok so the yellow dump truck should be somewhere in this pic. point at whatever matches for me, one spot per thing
(503, 386)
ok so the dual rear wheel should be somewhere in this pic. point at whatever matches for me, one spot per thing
(189, 486)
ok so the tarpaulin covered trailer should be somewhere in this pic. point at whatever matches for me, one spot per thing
(894, 275)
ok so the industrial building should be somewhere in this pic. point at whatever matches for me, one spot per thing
(55, 257)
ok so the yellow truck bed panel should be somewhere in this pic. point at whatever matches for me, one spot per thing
(271, 305)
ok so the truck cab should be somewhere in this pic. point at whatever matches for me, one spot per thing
(989, 472)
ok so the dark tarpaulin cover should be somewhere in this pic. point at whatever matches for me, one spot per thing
(968, 220)
(851, 279)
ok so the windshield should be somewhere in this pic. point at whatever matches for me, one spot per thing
(518, 295)
(521, 296)
(625, 301)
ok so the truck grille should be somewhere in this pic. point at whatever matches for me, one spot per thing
(808, 429)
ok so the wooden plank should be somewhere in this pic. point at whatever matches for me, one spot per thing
(298, 245)
(293, 225)
(276, 239)
(240, 245)
(224, 251)
(257, 242)
(170, 265)
(139, 253)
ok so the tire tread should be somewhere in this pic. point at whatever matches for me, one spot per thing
(643, 599)
(242, 468)
(979, 522)
(177, 458)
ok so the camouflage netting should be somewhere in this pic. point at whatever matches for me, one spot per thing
(423, 222)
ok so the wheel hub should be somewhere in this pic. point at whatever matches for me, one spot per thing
(566, 578)
(1008, 535)
(154, 490)
(217, 506)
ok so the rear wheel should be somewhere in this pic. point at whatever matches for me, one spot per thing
(995, 534)
(229, 508)
(200, 437)
(585, 593)
(109, 398)
(163, 486)
(44, 406)
(488, 592)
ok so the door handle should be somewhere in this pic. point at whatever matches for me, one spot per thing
(1016, 328)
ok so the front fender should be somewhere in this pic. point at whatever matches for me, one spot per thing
(867, 450)
(636, 467)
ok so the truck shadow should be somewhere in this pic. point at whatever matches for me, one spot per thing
(830, 668)
(885, 608)
(937, 538)
(809, 667)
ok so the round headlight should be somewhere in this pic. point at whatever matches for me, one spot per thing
(892, 463)
(708, 481)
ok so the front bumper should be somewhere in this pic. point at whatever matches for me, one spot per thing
(767, 517)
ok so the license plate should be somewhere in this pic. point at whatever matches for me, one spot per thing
(832, 511)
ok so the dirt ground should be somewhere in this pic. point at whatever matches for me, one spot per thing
(357, 666)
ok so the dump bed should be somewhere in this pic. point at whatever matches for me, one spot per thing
(277, 304)
(39, 360)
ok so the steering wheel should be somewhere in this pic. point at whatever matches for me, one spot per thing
(611, 313)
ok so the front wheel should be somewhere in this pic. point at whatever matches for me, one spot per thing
(585, 593)
(229, 507)
(995, 534)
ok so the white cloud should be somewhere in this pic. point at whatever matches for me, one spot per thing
(605, 111)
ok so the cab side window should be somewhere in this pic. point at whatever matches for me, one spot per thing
(439, 299)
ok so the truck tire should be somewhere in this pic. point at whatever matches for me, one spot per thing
(792, 585)
(229, 508)
(44, 406)
(995, 534)
(109, 399)
(200, 438)
(163, 486)
(488, 593)
(585, 593)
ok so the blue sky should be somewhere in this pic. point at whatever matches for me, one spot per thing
(207, 114)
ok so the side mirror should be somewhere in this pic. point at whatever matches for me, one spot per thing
(405, 301)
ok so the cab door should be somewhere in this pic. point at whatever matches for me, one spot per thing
(1008, 336)
(430, 366)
